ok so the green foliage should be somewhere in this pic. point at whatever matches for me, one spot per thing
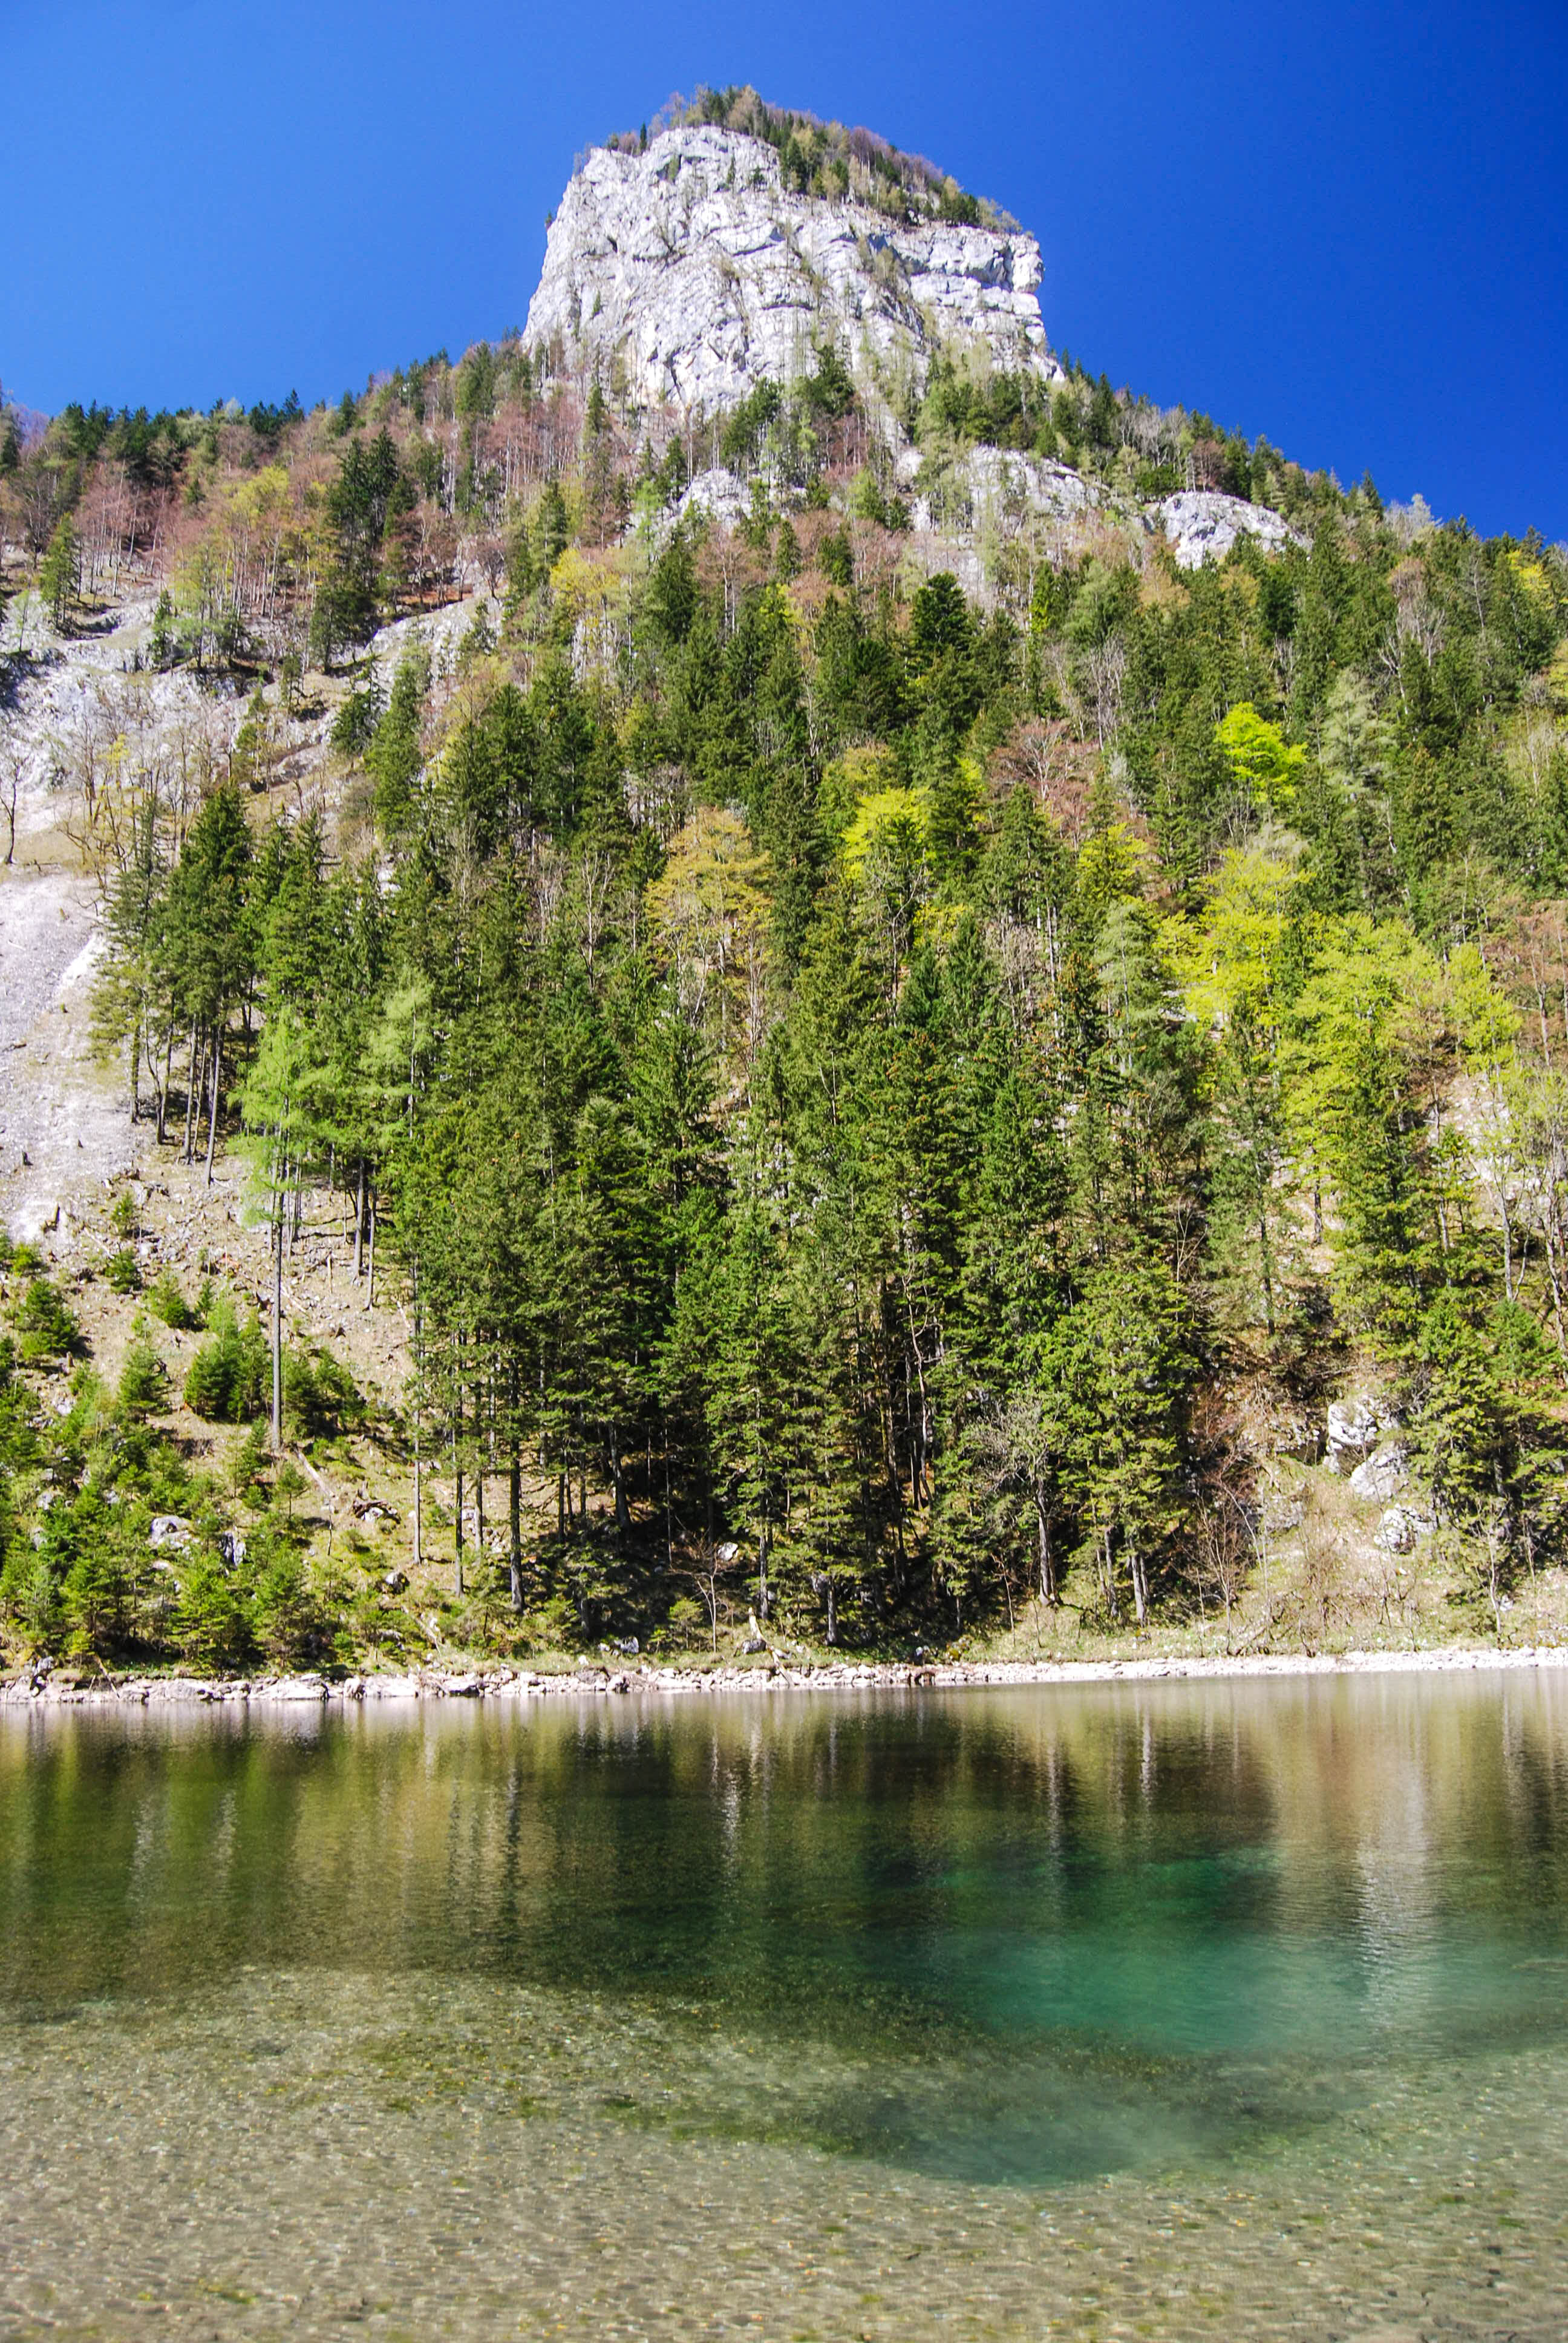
(826, 160)
(228, 1380)
(853, 1086)
(354, 726)
(1264, 768)
(365, 500)
(168, 1303)
(123, 1272)
(60, 572)
(143, 1381)
(392, 754)
(995, 410)
(211, 1627)
(320, 1398)
(46, 1323)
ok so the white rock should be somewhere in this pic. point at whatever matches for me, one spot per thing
(994, 484)
(1203, 526)
(169, 1530)
(230, 1548)
(309, 1688)
(1383, 1474)
(717, 495)
(1351, 1427)
(1398, 1530)
(694, 269)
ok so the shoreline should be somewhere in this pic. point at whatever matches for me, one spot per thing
(65, 1688)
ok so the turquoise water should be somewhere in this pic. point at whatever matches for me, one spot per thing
(1219, 2008)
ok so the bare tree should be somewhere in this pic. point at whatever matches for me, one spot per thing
(10, 787)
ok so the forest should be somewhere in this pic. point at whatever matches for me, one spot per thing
(881, 1103)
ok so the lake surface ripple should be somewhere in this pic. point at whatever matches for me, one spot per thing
(1220, 2009)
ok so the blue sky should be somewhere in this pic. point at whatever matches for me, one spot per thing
(1341, 226)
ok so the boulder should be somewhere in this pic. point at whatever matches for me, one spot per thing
(171, 1531)
(1383, 1474)
(1400, 1527)
(1352, 1429)
(230, 1548)
(294, 1688)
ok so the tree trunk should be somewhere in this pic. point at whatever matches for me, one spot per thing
(370, 1281)
(277, 1324)
(212, 1120)
(151, 1063)
(515, 1513)
(457, 1510)
(137, 1072)
(1265, 1252)
(418, 1475)
(1139, 1585)
(618, 1479)
(1047, 1559)
(359, 1220)
(190, 1093)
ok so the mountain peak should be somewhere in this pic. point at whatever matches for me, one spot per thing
(690, 269)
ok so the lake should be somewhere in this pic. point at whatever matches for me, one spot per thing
(1229, 2009)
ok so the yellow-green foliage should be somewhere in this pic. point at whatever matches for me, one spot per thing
(892, 824)
(1262, 762)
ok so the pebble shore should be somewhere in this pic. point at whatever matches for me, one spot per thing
(67, 1688)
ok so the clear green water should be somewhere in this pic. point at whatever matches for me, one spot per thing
(1220, 2009)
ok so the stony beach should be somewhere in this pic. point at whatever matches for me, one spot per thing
(68, 1688)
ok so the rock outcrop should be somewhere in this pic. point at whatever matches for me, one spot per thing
(1383, 1474)
(690, 274)
(1203, 526)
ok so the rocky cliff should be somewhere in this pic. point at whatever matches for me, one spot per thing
(687, 274)
(690, 273)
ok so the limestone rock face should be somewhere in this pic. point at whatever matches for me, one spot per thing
(1352, 1428)
(997, 483)
(1203, 526)
(719, 496)
(693, 271)
(1382, 1475)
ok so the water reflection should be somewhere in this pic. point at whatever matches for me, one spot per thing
(1187, 1868)
(1210, 2008)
